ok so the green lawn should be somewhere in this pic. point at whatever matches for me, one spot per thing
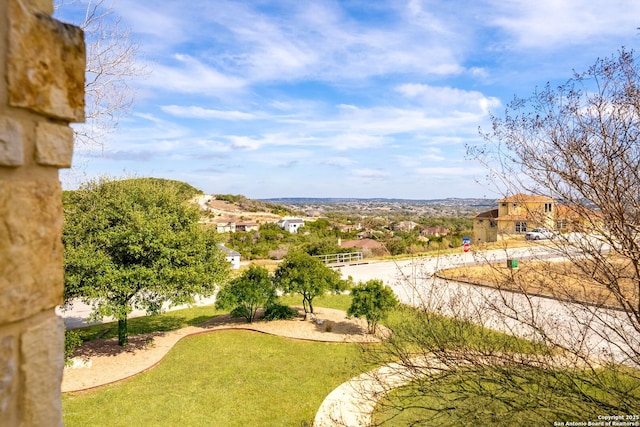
(498, 398)
(225, 378)
(497, 395)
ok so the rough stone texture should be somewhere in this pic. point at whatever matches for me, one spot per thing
(41, 368)
(44, 6)
(49, 79)
(31, 271)
(54, 145)
(7, 371)
(41, 90)
(11, 143)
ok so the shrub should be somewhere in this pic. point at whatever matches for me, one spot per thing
(278, 311)
(71, 341)
(239, 311)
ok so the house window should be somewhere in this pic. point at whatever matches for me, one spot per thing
(492, 223)
(561, 224)
(521, 227)
(504, 204)
(547, 207)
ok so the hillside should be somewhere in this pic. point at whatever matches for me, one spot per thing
(239, 209)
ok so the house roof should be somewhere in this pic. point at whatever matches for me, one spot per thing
(493, 213)
(227, 251)
(291, 221)
(521, 198)
(436, 230)
(567, 211)
(362, 243)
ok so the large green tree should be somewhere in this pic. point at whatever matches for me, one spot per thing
(247, 293)
(137, 243)
(308, 276)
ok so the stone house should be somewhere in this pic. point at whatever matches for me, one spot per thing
(514, 216)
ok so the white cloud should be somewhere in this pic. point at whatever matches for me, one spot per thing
(450, 171)
(369, 173)
(205, 113)
(553, 24)
(445, 98)
(187, 74)
(340, 162)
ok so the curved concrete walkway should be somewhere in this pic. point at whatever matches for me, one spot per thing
(352, 403)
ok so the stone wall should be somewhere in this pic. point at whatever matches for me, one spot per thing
(42, 64)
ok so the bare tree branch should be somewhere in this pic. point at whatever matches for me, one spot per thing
(112, 63)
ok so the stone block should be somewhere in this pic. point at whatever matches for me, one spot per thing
(42, 362)
(54, 145)
(45, 62)
(44, 6)
(11, 143)
(8, 372)
(31, 271)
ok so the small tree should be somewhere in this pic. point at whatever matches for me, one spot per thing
(247, 293)
(308, 276)
(372, 300)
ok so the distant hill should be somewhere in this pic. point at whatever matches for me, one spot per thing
(450, 201)
(449, 207)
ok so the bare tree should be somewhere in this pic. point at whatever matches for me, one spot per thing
(579, 145)
(504, 354)
(112, 63)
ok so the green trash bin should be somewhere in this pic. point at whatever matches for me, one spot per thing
(512, 264)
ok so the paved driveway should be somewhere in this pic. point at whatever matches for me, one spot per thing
(596, 332)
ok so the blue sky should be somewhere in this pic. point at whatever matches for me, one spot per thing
(353, 98)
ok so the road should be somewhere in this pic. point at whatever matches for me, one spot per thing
(601, 334)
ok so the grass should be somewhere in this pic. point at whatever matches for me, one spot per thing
(230, 378)
(498, 398)
(415, 331)
(225, 378)
(178, 319)
(169, 321)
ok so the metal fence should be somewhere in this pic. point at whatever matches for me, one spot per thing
(339, 258)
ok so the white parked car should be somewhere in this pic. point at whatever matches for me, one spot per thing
(539, 234)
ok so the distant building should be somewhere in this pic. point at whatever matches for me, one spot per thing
(435, 231)
(369, 247)
(405, 226)
(247, 226)
(515, 215)
(230, 255)
(226, 227)
(291, 225)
